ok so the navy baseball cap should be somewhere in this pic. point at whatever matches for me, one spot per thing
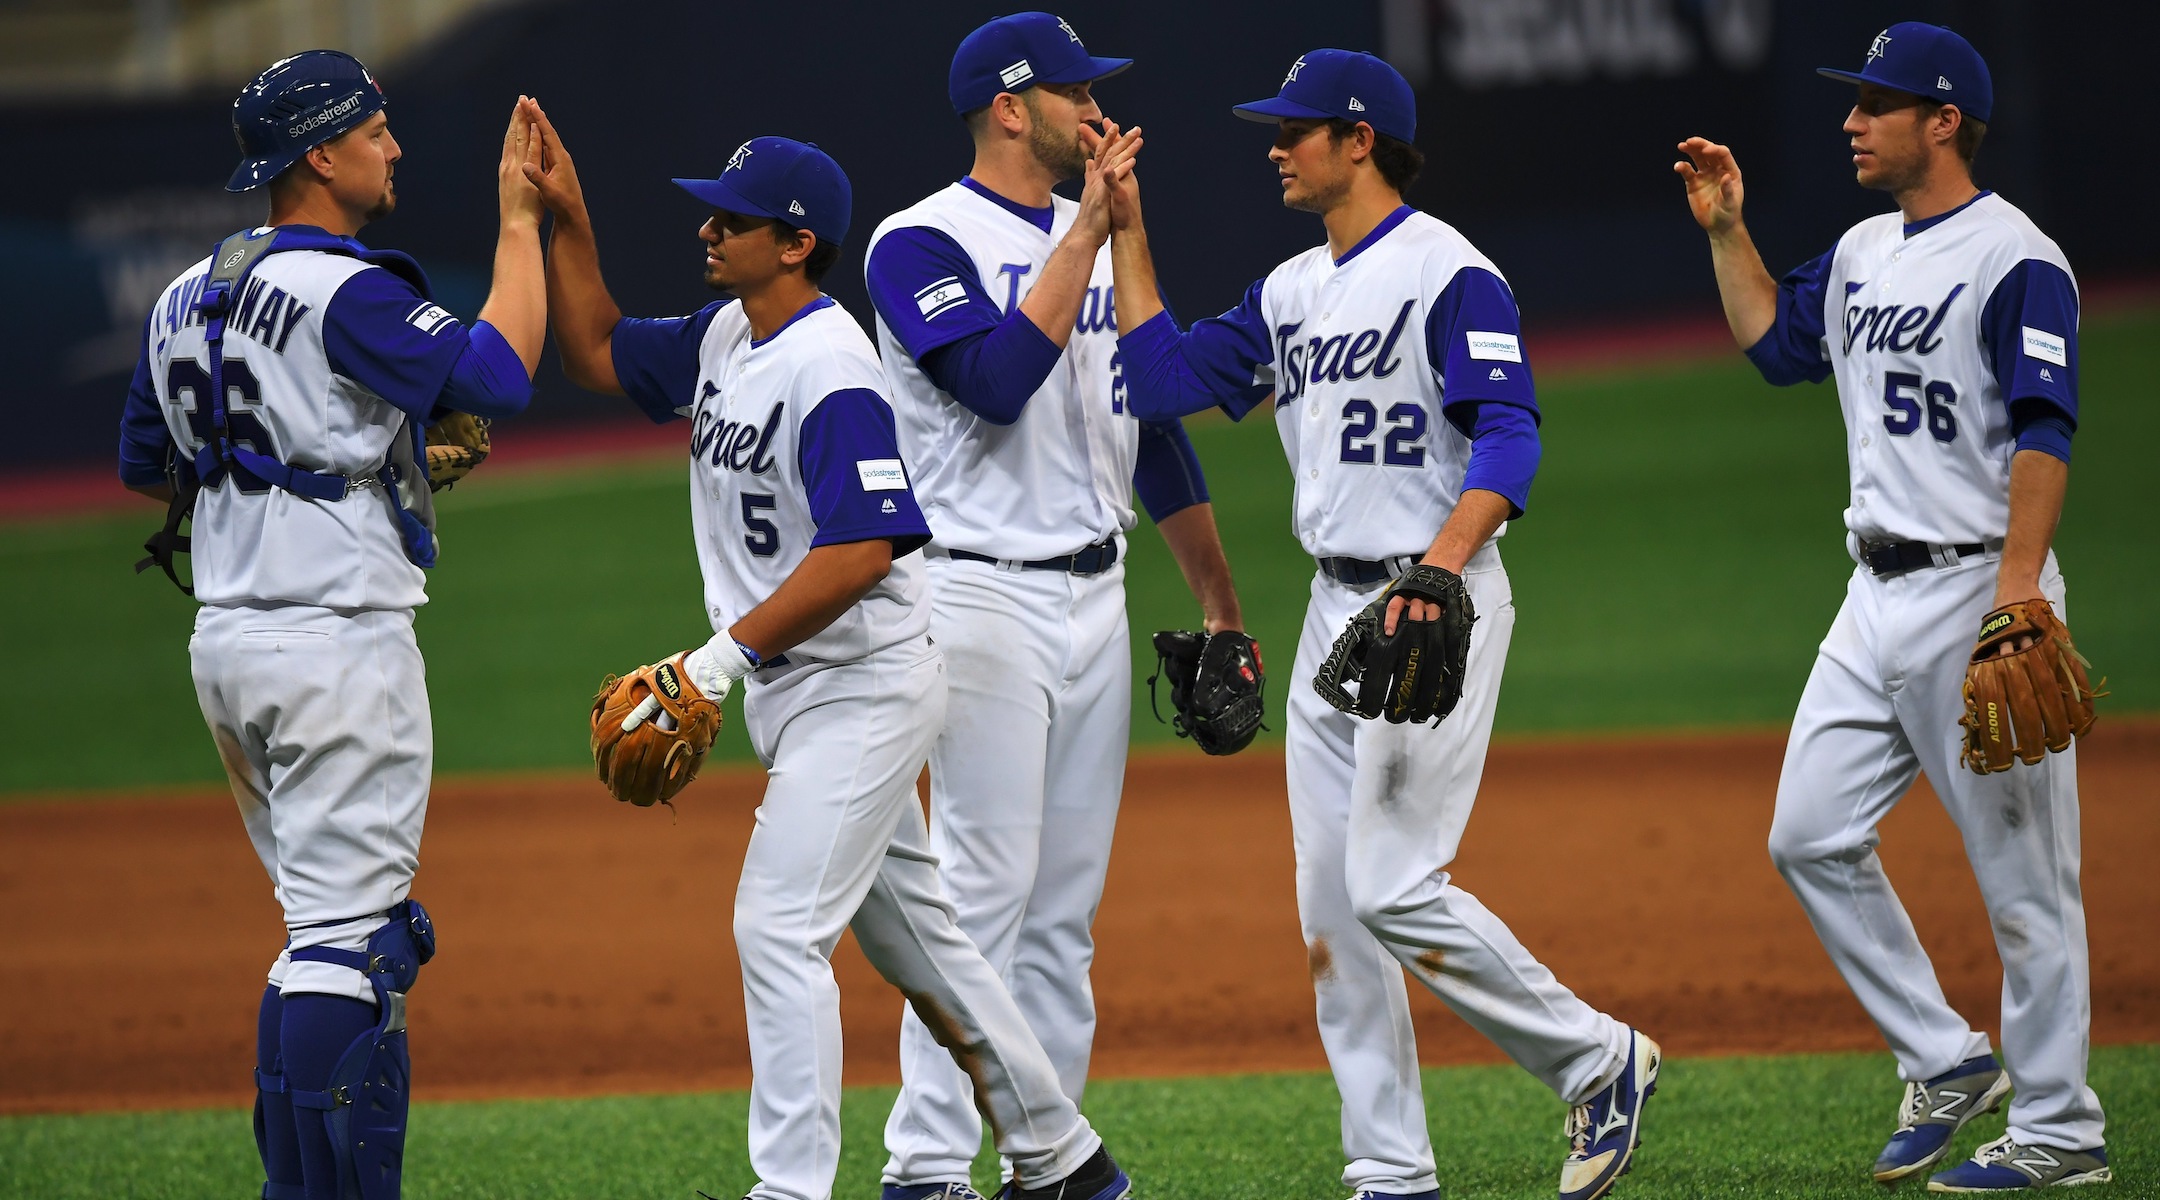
(1013, 54)
(295, 105)
(1344, 84)
(794, 183)
(1929, 61)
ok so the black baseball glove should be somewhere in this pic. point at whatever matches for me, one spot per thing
(1413, 674)
(1216, 686)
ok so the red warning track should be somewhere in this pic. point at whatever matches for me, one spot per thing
(586, 946)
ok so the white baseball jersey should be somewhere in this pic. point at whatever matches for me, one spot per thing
(1930, 329)
(326, 360)
(1061, 476)
(791, 446)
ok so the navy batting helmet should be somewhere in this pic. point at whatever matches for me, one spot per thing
(295, 105)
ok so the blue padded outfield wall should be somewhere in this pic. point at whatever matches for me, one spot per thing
(1548, 124)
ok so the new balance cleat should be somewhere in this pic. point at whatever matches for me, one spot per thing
(2006, 1166)
(1097, 1179)
(1604, 1131)
(1933, 1111)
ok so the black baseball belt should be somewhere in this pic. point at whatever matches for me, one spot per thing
(1358, 571)
(1896, 558)
(1089, 560)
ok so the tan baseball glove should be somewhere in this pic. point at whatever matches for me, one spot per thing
(455, 445)
(2024, 703)
(650, 732)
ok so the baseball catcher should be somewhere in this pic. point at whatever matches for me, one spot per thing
(1413, 672)
(651, 730)
(2026, 691)
(1217, 687)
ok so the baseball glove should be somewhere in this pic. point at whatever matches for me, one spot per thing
(1216, 686)
(455, 445)
(2026, 702)
(1414, 674)
(650, 731)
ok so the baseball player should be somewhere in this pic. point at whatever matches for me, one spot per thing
(806, 530)
(283, 384)
(1394, 360)
(996, 323)
(1951, 327)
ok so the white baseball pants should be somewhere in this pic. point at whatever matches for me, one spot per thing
(1882, 705)
(1377, 812)
(1024, 787)
(321, 718)
(840, 841)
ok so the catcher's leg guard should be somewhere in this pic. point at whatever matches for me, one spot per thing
(364, 1105)
(276, 1140)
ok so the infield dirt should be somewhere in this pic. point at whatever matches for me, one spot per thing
(585, 947)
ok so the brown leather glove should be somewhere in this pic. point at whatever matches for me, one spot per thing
(455, 445)
(2024, 703)
(650, 731)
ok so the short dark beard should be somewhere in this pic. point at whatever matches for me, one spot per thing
(384, 205)
(1065, 159)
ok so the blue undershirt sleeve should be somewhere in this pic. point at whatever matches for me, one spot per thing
(1792, 350)
(1473, 339)
(1223, 361)
(1504, 450)
(1166, 473)
(849, 452)
(2029, 328)
(929, 294)
(380, 332)
(489, 379)
(656, 360)
(145, 441)
(2038, 425)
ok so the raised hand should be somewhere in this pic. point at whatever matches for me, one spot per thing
(1117, 159)
(1714, 191)
(1109, 162)
(553, 173)
(516, 197)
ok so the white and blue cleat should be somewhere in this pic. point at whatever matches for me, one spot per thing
(1371, 1195)
(1605, 1131)
(1099, 1178)
(930, 1191)
(2004, 1165)
(1934, 1110)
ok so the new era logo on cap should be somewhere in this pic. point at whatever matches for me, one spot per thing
(1941, 84)
(795, 206)
(1356, 105)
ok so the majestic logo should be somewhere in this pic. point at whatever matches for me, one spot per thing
(795, 206)
(1497, 373)
(1880, 46)
(1067, 27)
(2047, 375)
(1295, 67)
(741, 156)
(888, 507)
(1898, 327)
(1343, 356)
(1356, 105)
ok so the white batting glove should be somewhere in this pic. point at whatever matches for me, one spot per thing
(715, 666)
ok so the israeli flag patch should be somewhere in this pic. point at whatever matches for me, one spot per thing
(2046, 347)
(430, 319)
(881, 475)
(1497, 347)
(1016, 74)
(939, 296)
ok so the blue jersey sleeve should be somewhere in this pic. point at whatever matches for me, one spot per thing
(382, 333)
(145, 442)
(1792, 350)
(656, 360)
(1504, 449)
(1166, 474)
(2030, 328)
(1218, 362)
(489, 379)
(849, 452)
(1473, 338)
(928, 291)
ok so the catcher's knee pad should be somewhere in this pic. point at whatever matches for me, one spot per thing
(365, 1105)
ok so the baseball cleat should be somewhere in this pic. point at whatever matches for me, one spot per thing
(1933, 1111)
(2004, 1165)
(930, 1191)
(1431, 1195)
(1605, 1130)
(1097, 1179)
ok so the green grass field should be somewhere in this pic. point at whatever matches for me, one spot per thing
(1795, 1127)
(1682, 557)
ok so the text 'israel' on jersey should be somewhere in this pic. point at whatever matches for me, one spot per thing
(1933, 330)
(326, 359)
(792, 446)
(1381, 364)
(1060, 477)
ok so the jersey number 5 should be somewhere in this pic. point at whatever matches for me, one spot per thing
(761, 535)
(188, 386)
(1903, 390)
